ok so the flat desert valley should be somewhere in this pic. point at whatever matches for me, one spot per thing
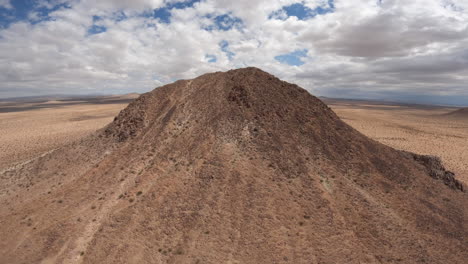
(30, 129)
(428, 130)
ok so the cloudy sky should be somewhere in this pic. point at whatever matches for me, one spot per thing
(408, 50)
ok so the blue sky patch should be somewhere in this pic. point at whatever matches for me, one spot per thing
(184, 4)
(119, 16)
(303, 12)
(23, 8)
(164, 13)
(19, 12)
(224, 22)
(298, 10)
(227, 22)
(224, 45)
(95, 29)
(294, 58)
(211, 58)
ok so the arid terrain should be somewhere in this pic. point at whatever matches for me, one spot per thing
(461, 113)
(428, 130)
(29, 129)
(231, 167)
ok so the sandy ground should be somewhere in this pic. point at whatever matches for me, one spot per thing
(419, 129)
(29, 129)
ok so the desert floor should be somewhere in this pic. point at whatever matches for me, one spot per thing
(420, 129)
(28, 130)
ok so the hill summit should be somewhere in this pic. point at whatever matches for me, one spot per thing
(231, 167)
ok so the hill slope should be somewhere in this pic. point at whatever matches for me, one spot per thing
(460, 113)
(234, 167)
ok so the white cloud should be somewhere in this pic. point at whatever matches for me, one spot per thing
(363, 47)
(5, 4)
(126, 5)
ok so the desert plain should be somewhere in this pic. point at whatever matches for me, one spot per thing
(422, 129)
(31, 129)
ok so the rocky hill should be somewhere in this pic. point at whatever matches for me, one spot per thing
(231, 167)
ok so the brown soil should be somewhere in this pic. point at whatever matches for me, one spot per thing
(460, 113)
(234, 167)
